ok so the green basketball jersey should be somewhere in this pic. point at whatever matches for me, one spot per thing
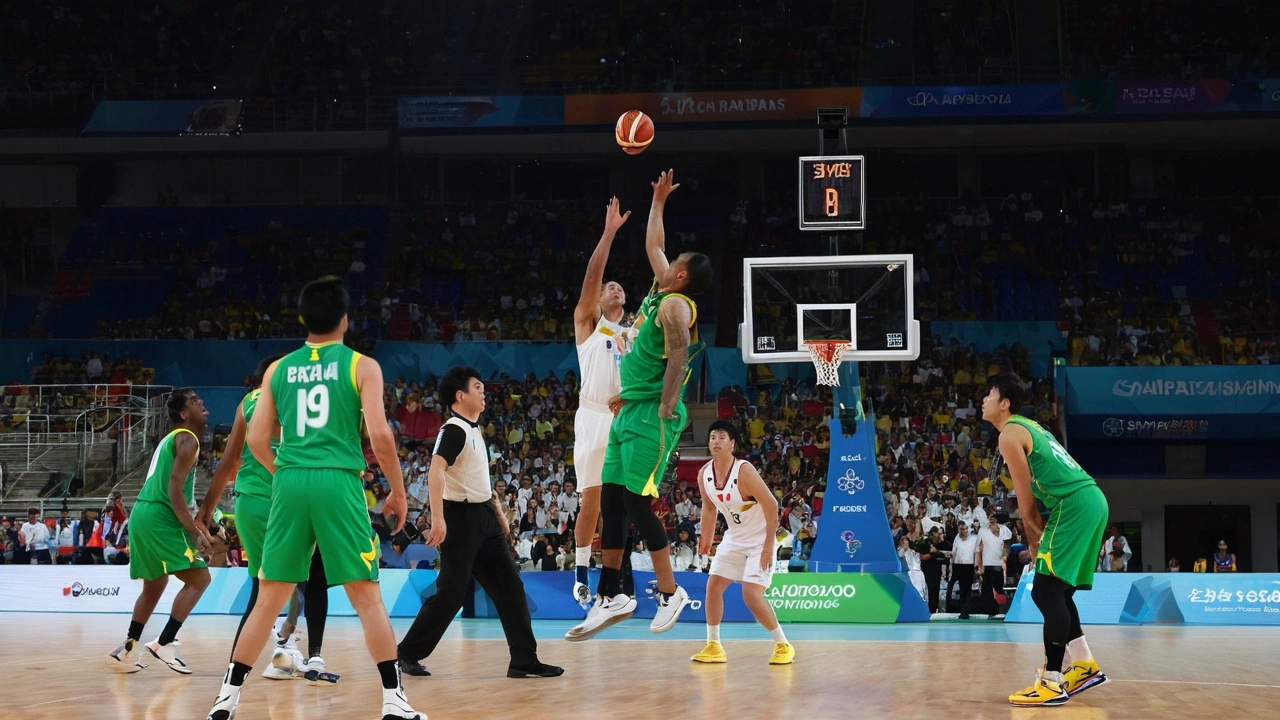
(253, 478)
(645, 364)
(1054, 473)
(319, 407)
(156, 487)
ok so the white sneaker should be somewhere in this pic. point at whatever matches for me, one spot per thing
(122, 659)
(286, 664)
(314, 670)
(602, 615)
(395, 706)
(169, 655)
(582, 594)
(224, 708)
(669, 610)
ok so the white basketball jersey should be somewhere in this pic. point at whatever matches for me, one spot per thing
(745, 518)
(598, 359)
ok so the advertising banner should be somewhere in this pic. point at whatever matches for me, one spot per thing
(1170, 96)
(853, 530)
(698, 107)
(1173, 392)
(961, 101)
(126, 118)
(796, 597)
(479, 111)
(1191, 598)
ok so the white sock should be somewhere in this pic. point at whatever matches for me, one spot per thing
(1078, 650)
(713, 633)
(1053, 676)
(778, 635)
(582, 556)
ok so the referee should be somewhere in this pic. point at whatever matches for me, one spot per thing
(471, 530)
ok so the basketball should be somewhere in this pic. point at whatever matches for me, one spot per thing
(633, 132)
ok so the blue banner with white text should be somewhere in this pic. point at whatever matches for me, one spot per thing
(1172, 403)
(1191, 598)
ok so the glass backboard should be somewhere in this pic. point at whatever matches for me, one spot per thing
(865, 299)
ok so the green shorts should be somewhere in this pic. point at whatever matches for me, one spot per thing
(324, 508)
(1072, 536)
(252, 512)
(158, 544)
(640, 444)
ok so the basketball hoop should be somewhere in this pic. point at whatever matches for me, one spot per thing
(826, 356)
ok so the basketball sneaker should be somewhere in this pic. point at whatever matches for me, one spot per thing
(314, 670)
(582, 595)
(169, 655)
(286, 664)
(122, 659)
(603, 614)
(1043, 692)
(224, 708)
(712, 652)
(783, 654)
(395, 706)
(669, 609)
(1082, 675)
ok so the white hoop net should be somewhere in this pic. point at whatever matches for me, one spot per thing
(826, 356)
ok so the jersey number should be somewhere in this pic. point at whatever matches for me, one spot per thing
(313, 408)
(1061, 452)
(737, 519)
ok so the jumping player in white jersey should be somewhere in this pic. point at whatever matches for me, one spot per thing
(597, 331)
(733, 488)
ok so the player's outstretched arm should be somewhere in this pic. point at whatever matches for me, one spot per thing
(584, 315)
(264, 423)
(675, 316)
(227, 469)
(655, 238)
(381, 439)
(754, 487)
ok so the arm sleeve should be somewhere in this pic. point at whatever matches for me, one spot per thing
(450, 442)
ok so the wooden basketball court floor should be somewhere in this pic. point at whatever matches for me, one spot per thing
(53, 671)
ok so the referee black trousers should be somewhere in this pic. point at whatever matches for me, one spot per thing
(474, 546)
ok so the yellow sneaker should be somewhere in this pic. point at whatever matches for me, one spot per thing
(1042, 692)
(783, 654)
(712, 653)
(1082, 675)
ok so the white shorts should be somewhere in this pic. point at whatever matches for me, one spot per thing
(590, 439)
(741, 563)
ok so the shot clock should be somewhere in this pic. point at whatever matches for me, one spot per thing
(832, 193)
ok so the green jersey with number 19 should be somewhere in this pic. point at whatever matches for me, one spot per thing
(1054, 473)
(318, 402)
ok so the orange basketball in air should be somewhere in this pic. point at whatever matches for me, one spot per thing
(634, 132)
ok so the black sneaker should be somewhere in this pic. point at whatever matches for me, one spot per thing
(537, 669)
(413, 667)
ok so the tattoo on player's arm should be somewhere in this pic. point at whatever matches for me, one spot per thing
(675, 316)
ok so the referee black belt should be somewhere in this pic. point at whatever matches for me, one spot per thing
(486, 501)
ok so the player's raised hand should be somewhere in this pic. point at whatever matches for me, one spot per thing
(664, 186)
(613, 219)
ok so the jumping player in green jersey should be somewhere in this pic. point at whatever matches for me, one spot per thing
(1064, 548)
(252, 491)
(649, 416)
(313, 397)
(164, 537)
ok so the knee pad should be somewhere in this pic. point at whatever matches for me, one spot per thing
(640, 510)
(613, 512)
